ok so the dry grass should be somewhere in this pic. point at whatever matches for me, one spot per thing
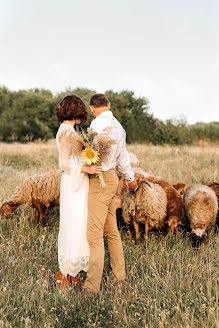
(169, 284)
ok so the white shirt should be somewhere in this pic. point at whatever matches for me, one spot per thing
(119, 155)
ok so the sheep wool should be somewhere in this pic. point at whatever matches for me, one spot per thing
(149, 202)
(201, 207)
(43, 187)
(174, 203)
(133, 159)
(214, 185)
(139, 170)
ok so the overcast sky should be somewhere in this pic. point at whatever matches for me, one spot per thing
(165, 50)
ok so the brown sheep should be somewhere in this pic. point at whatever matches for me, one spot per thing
(214, 185)
(40, 191)
(174, 203)
(147, 205)
(174, 199)
(201, 207)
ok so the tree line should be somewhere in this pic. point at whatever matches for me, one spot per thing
(28, 115)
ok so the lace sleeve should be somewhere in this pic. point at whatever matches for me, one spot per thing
(70, 146)
(69, 157)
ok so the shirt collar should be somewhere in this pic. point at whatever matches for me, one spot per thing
(107, 113)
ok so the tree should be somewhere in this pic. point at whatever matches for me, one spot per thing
(31, 114)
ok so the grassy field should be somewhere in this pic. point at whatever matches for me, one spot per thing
(169, 284)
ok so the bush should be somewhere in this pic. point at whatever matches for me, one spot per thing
(30, 115)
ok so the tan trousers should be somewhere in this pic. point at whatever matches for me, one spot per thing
(102, 221)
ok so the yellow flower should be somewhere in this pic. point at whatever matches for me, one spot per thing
(89, 156)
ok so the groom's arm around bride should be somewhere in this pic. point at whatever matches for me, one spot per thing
(101, 204)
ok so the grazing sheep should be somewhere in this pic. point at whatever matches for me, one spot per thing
(201, 207)
(174, 203)
(174, 199)
(214, 185)
(40, 191)
(147, 205)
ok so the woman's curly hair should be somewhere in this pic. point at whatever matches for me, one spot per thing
(71, 108)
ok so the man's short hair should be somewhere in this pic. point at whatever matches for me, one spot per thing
(99, 100)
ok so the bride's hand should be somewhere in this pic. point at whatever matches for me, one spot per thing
(91, 169)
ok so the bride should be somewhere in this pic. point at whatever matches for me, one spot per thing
(73, 249)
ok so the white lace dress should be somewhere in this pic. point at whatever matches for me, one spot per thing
(73, 249)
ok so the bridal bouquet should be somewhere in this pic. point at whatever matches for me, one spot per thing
(95, 149)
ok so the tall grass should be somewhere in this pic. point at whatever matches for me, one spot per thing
(169, 284)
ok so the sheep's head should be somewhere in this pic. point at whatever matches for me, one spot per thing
(142, 179)
(7, 209)
(180, 187)
(198, 237)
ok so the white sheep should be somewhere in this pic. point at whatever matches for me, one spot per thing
(133, 159)
(147, 205)
(201, 207)
(174, 203)
(40, 191)
(174, 199)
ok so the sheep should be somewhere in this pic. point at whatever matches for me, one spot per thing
(174, 199)
(147, 205)
(133, 159)
(214, 185)
(40, 191)
(174, 203)
(173, 192)
(201, 207)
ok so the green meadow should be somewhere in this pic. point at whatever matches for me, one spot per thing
(169, 284)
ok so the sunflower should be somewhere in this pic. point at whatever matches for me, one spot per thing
(89, 156)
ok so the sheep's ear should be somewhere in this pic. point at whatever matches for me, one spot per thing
(10, 203)
(139, 177)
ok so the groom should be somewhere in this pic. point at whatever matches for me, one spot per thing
(101, 204)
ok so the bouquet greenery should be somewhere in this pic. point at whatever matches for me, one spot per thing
(95, 149)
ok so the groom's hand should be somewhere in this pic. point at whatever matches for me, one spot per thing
(133, 185)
